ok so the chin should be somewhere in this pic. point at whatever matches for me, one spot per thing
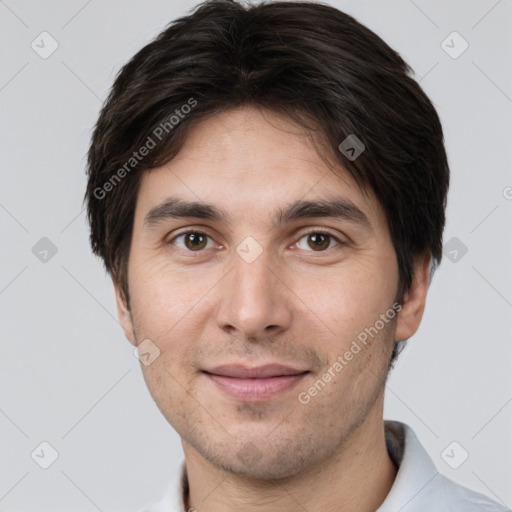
(259, 460)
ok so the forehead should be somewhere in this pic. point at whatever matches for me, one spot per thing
(254, 161)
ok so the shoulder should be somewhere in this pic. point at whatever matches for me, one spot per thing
(456, 497)
(419, 486)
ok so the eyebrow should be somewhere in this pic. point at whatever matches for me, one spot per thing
(337, 208)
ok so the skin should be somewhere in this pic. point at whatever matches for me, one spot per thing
(295, 305)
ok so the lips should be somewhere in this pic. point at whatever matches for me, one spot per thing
(260, 372)
(255, 384)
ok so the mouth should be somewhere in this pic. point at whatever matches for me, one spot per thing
(255, 384)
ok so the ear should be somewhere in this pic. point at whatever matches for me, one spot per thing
(123, 312)
(414, 300)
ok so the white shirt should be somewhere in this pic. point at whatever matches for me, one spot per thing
(418, 486)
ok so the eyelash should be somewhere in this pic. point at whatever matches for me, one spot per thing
(312, 232)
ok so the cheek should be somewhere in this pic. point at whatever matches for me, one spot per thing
(346, 300)
(163, 297)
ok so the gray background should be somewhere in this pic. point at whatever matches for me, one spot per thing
(67, 374)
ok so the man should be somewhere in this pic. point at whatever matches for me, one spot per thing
(267, 188)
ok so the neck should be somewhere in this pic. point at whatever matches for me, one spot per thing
(357, 477)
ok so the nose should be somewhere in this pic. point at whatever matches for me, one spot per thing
(254, 301)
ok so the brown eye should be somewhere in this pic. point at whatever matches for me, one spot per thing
(193, 241)
(318, 241)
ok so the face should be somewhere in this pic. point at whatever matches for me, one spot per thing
(250, 281)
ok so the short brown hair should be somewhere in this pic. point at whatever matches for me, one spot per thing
(309, 60)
